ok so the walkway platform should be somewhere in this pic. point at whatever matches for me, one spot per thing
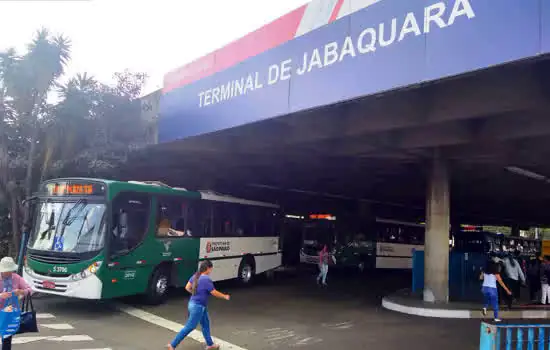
(405, 302)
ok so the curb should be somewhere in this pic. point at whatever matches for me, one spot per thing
(424, 312)
(461, 314)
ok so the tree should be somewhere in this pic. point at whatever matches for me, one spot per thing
(27, 80)
(89, 132)
(97, 125)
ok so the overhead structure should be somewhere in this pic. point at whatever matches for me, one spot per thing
(327, 52)
(387, 101)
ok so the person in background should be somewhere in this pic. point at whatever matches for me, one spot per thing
(324, 258)
(544, 280)
(11, 284)
(514, 278)
(533, 278)
(490, 277)
(200, 286)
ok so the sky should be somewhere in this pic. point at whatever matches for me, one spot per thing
(151, 36)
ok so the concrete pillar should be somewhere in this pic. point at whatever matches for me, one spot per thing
(436, 249)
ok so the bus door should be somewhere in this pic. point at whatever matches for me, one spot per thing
(129, 269)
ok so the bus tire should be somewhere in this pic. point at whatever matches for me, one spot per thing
(247, 270)
(157, 290)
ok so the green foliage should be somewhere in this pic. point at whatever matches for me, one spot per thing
(89, 131)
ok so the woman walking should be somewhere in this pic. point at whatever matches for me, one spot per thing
(201, 287)
(490, 277)
(11, 284)
(324, 258)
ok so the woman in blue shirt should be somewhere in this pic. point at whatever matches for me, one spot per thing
(201, 287)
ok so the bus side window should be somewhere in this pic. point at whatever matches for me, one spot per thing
(244, 216)
(131, 215)
(199, 218)
(171, 217)
(223, 219)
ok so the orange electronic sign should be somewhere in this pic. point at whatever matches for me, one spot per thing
(65, 188)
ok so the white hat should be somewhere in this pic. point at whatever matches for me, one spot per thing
(7, 265)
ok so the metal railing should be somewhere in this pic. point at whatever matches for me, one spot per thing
(514, 337)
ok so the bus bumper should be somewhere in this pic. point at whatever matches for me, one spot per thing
(87, 288)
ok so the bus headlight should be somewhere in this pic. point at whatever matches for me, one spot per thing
(87, 272)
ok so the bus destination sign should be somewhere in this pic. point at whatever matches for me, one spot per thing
(74, 189)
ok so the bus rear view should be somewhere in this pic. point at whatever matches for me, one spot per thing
(67, 241)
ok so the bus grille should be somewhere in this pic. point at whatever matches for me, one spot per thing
(53, 260)
(57, 275)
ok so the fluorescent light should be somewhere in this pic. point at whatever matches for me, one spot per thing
(294, 216)
(526, 173)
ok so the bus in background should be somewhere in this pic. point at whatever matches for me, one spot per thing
(387, 244)
(101, 239)
(396, 241)
(350, 249)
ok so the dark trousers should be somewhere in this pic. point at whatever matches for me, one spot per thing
(515, 288)
(6, 343)
(534, 288)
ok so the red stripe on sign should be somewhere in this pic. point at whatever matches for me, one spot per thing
(267, 37)
(336, 11)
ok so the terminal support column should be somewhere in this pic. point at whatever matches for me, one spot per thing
(515, 230)
(436, 249)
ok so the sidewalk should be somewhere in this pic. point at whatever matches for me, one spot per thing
(403, 301)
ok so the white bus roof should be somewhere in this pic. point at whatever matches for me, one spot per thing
(213, 196)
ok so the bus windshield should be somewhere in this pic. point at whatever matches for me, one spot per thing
(71, 227)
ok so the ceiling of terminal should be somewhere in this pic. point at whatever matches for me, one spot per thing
(491, 126)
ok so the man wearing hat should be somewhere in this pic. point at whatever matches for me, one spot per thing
(10, 283)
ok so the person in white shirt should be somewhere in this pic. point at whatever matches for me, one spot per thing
(490, 277)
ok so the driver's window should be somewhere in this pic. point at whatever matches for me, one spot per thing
(130, 220)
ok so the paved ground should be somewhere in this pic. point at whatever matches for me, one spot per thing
(73, 324)
(291, 312)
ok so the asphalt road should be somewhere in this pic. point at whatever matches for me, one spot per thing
(287, 313)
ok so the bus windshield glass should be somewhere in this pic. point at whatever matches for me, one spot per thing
(71, 227)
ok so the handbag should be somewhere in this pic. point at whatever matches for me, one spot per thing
(9, 320)
(28, 317)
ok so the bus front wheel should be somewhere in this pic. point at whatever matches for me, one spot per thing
(158, 286)
(246, 271)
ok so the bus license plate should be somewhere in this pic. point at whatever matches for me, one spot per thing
(48, 285)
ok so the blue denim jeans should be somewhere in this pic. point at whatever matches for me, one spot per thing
(197, 314)
(490, 296)
(323, 271)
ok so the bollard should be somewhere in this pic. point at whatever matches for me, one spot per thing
(514, 336)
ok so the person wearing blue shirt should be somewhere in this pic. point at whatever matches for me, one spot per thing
(200, 286)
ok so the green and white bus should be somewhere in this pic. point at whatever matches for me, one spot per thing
(101, 239)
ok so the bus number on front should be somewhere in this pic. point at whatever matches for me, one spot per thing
(61, 269)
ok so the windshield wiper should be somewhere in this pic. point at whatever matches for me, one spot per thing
(82, 227)
(69, 218)
(51, 226)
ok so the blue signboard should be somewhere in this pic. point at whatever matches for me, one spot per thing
(391, 44)
(58, 243)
